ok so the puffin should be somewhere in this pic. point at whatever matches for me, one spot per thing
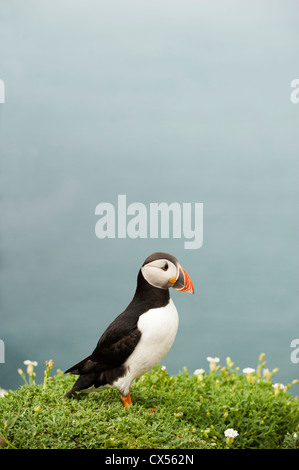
(140, 336)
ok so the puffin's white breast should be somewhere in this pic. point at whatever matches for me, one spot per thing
(158, 329)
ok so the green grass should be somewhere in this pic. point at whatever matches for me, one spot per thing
(185, 411)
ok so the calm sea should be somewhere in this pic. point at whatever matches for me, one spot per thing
(161, 102)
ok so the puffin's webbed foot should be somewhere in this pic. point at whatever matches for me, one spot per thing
(126, 400)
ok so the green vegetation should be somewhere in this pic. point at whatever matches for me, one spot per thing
(186, 411)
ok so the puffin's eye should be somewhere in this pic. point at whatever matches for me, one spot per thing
(165, 267)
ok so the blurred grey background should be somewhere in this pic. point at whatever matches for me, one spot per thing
(163, 101)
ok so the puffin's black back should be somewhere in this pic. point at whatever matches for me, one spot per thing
(119, 340)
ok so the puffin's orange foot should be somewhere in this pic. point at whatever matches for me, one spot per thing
(126, 400)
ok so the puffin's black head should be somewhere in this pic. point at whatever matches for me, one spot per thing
(163, 270)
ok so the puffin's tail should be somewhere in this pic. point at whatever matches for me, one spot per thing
(89, 375)
(78, 368)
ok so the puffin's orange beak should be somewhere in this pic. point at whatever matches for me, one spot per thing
(183, 282)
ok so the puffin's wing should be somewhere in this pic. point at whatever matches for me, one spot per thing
(111, 351)
(105, 363)
(115, 346)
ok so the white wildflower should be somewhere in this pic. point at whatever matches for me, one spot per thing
(30, 363)
(199, 373)
(213, 361)
(249, 371)
(249, 377)
(30, 366)
(277, 387)
(230, 435)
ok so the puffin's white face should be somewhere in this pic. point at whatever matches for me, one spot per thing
(160, 273)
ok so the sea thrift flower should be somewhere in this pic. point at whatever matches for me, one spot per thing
(248, 371)
(213, 361)
(230, 435)
(199, 373)
(30, 365)
(277, 387)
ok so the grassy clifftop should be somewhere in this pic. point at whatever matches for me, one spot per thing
(186, 411)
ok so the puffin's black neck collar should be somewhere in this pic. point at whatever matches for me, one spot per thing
(152, 296)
